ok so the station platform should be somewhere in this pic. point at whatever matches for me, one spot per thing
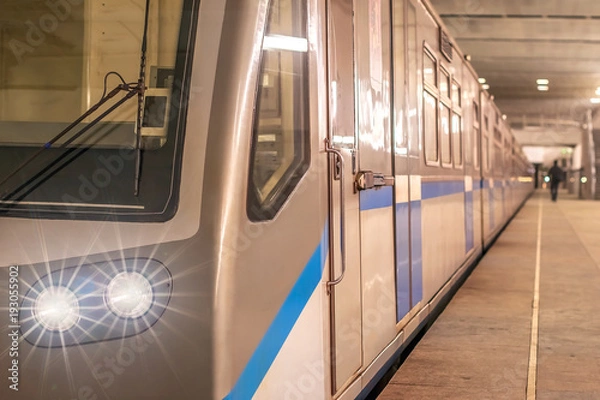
(526, 323)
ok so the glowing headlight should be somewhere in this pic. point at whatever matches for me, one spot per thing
(94, 302)
(56, 308)
(129, 295)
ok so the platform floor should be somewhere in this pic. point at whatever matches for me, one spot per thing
(506, 335)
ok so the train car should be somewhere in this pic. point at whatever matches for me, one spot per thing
(235, 200)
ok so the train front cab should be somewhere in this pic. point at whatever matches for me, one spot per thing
(327, 177)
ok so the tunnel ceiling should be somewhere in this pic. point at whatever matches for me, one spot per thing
(512, 43)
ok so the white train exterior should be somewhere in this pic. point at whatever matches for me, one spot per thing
(311, 180)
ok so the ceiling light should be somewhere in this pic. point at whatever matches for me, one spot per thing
(482, 80)
(504, 117)
(595, 100)
(598, 91)
(543, 88)
(542, 82)
(485, 86)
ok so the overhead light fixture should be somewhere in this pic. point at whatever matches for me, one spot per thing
(504, 117)
(543, 82)
(290, 43)
(598, 91)
(595, 100)
(482, 80)
(543, 88)
(485, 86)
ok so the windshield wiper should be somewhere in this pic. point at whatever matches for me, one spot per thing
(140, 113)
(131, 89)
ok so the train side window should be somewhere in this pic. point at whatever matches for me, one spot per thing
(430, 127)
(476, 140)
(485, 150)
(430, 69)
(456, 97)
(457, 130)
(444, 83)
(280, 142)
(430, 108)
(457, 139)
(445, 134)
(498, 135)
(476, 135)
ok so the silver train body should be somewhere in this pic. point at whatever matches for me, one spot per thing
(327, 172)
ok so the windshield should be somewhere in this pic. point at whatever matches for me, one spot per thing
(57, 59)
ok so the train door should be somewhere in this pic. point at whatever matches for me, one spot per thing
(344, 287)
(362, 287)
(375, 175)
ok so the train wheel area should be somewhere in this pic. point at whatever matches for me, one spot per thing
(523, 325)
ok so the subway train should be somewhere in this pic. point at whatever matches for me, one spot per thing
(235, 200)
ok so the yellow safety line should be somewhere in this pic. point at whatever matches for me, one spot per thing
(535, 318)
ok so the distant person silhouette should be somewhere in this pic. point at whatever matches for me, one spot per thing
(556, 176)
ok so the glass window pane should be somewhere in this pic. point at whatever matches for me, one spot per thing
(498, 159)
(95, 47)
(445, 84)
(429, 70)
(430, 127)
(468, 144)
(485, 150)
(445, 134)
(476, 137)
(456, 98)
(498, 135)
(280, 152)
(457, 139)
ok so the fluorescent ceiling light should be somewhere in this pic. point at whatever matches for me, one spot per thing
(482, 80)
(542, 82)
(598, 91)
(485, 86)
(290, 43)
(595, 100)
(543, 88)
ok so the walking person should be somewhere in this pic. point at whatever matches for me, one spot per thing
(556, 176)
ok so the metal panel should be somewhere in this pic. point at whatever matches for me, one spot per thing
(346, 332)
(372, 23)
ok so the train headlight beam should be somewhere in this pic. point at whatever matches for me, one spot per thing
(129, 295)
(56, 309)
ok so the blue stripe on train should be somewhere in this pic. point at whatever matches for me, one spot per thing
(403, 300)
(469, 221)
(279, 330)
(273, 340)
(376, 198)
(417, 253)
(430, 190)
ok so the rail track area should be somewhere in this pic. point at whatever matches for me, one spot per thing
(525, 324)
